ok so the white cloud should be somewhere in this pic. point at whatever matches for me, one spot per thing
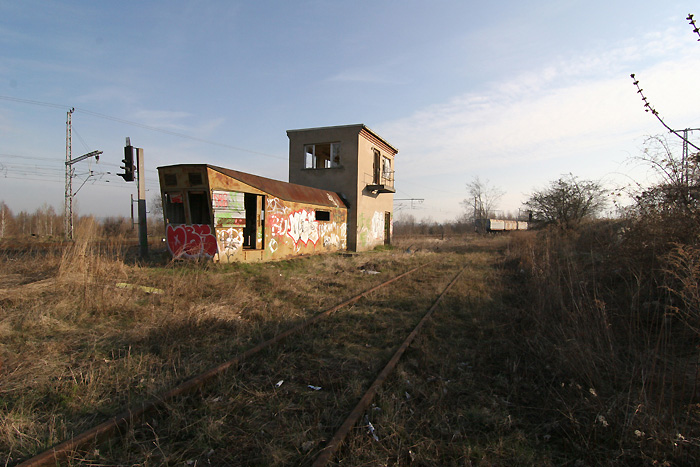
(578, 114)
(544, 114)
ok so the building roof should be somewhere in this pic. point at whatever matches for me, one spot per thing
(359, 126)
(284, 190)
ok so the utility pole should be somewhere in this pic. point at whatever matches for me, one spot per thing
(68, 201)
(143, 224)
(68, 208)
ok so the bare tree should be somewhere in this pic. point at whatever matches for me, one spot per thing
(567, 201)
(483, 199)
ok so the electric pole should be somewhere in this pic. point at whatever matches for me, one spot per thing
(143, 224)
(68, 201)
(68, 208)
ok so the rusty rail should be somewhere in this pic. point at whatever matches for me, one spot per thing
(99, 433)
(334, 444)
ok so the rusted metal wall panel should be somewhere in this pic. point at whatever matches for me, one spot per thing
(291, 229)
(282, 228)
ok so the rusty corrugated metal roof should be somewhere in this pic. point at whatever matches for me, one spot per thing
(284, 190)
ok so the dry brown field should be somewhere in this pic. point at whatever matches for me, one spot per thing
(89, 331)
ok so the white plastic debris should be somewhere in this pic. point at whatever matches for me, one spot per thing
(371, 430)
(369, 271)
(279, 383)
(315, 388)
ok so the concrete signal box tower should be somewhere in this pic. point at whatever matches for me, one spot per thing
(356, 163)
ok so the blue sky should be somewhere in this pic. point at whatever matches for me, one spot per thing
(517, 93)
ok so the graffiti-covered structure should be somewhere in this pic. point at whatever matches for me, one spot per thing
(226, 215)
(356, 163)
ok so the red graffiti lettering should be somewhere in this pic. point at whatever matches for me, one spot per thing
(190, 241)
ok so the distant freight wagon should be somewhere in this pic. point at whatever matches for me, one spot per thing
(500, 225)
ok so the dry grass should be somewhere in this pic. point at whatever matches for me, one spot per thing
(493, 379)
(621, 367)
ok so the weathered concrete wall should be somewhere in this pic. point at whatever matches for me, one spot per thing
(372, 208)
(368, 222)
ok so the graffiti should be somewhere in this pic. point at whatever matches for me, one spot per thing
(302, 227)
(334, 235)
(372, 230)
(331, 240)
(229, 208)
(276, 206)
(332, 200)
(190, 241)
(377, 226)
(230, 240)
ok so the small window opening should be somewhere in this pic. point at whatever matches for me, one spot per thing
(174, 208)
(322, 156)
(195, 178)
(199, 207)
(170, 179)
(323, 216)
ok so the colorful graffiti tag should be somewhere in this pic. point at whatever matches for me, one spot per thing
(229, 208)
(230, 241)
(190, 241)
(302, 227)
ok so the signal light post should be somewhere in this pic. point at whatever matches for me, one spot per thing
(128, 176)
(128, 161)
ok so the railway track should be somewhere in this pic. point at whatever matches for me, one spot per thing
(292, 399)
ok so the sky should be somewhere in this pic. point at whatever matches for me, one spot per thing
(515, 93)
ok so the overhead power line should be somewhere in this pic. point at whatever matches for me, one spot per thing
(140, 125)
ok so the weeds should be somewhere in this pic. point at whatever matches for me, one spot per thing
(568, 349)
(622, 368)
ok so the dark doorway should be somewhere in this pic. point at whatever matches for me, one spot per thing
(250, 202)
(199, 208)
(387, 228)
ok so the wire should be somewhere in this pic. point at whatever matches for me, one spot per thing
(140, 125)
(87, 148)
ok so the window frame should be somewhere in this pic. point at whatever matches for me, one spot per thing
(312, 157)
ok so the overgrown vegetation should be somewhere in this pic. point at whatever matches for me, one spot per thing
(573, 347)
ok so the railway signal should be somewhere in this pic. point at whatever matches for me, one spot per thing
(128, 161)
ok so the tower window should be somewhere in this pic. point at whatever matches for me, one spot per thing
(322, 156)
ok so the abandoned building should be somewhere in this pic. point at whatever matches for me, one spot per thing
(340, 196)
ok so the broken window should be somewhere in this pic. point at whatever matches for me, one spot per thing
(170, 179)
(386, 169)
(323, 215)
(174, 208)
(322, 156)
